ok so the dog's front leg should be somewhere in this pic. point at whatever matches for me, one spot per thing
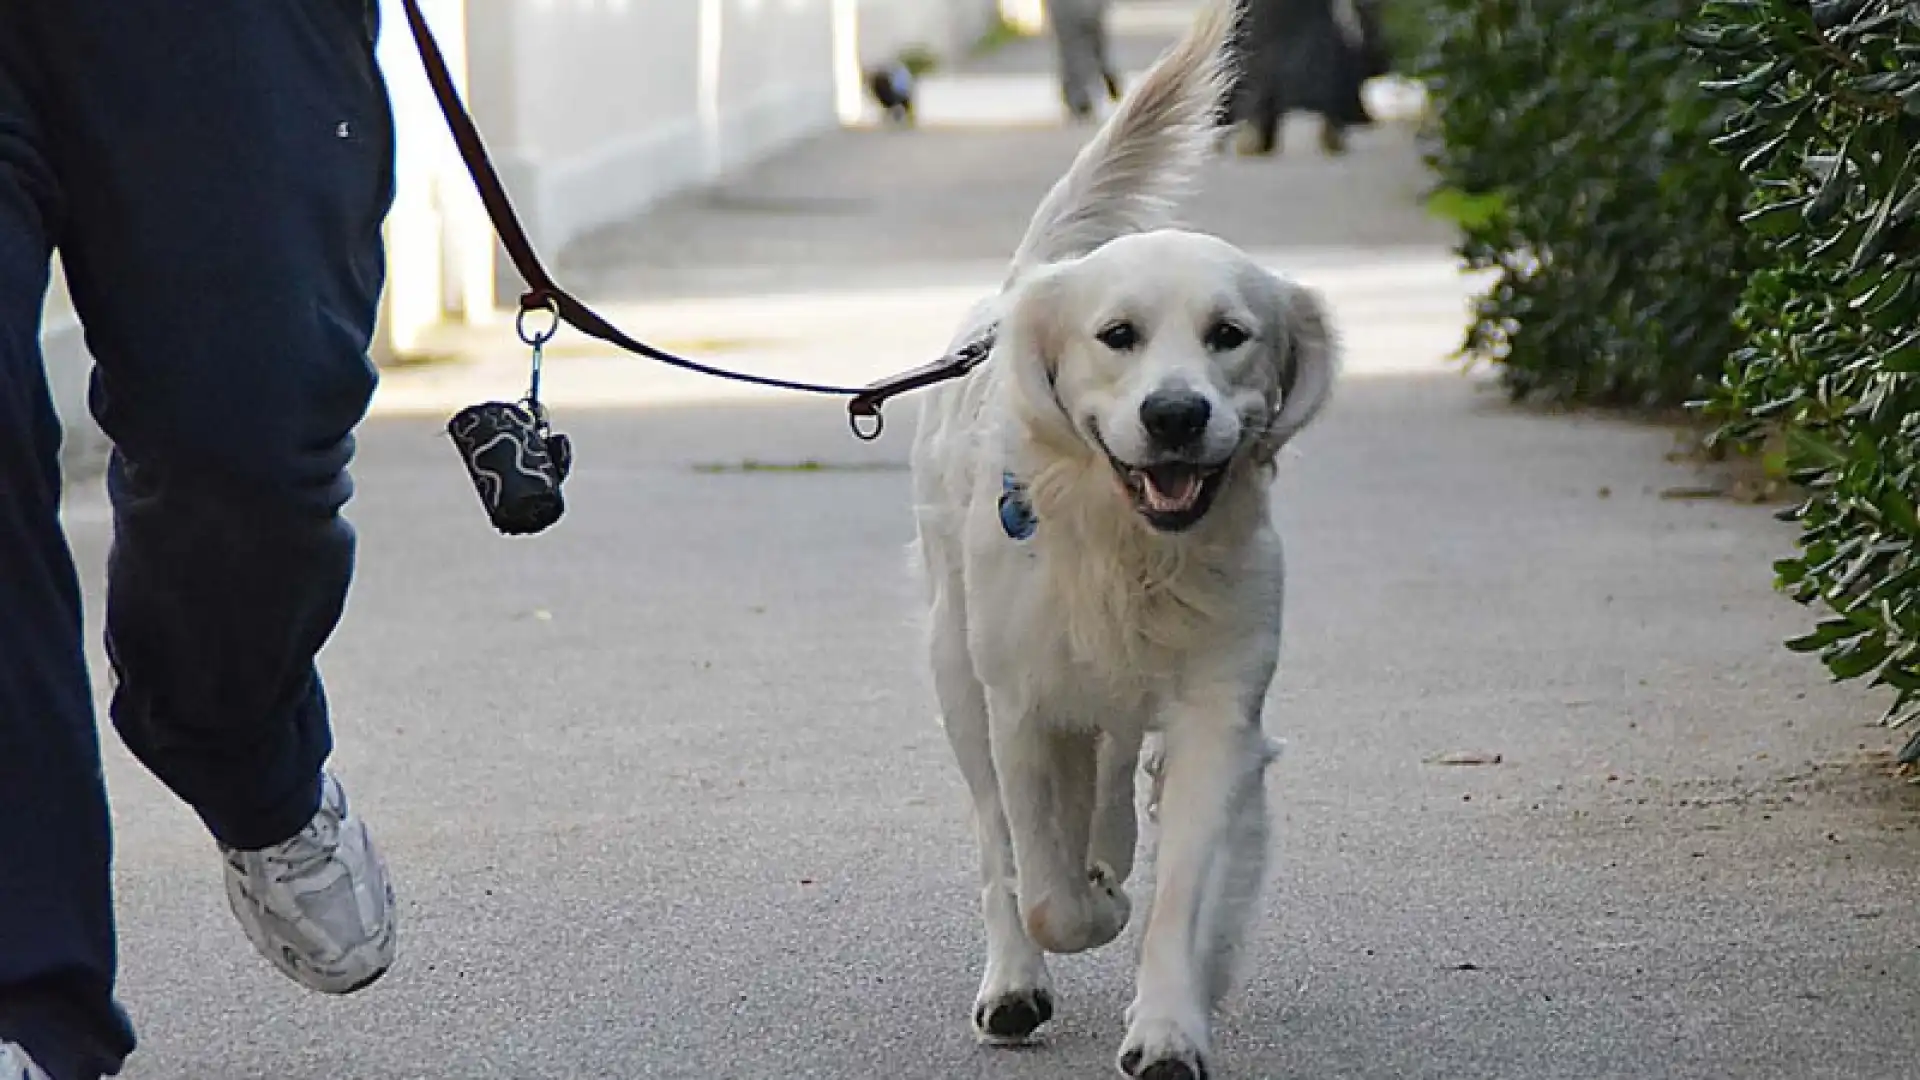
(1210, 866)
(1016, 993)
(1066, 906)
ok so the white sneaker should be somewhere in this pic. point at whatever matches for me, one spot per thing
(16, 1065)
(318, 906)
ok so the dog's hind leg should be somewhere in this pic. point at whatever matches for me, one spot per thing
(1016, 994)
(1076, 769)
(1097, 807)
(1046, 778)
(1211, 864)
(1116, 825)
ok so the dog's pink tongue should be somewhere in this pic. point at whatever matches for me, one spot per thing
(1181, 489)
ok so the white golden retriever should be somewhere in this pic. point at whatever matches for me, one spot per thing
(1100, 563)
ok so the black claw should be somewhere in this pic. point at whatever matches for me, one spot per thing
(1015, 1016)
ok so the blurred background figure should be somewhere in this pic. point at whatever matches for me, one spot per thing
(891, 85)
(1080, 34)
(1304, 56)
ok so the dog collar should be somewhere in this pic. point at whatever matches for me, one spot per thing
(1016, 512)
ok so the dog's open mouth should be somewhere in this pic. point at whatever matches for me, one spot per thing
(1171, 495)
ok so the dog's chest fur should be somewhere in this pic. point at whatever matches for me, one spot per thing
(1094, 608)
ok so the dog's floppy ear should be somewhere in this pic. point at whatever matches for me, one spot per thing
(1305, 358)
(1030, 342)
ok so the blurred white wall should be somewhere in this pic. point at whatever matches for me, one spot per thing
(593, 109)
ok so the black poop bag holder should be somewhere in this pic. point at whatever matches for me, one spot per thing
(516, 460)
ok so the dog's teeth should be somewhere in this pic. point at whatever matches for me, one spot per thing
(1184, 490)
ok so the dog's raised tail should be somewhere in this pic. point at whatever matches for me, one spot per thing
(1132, 173)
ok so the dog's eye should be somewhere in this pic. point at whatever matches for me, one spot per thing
(1226, 337)
(1120, 337)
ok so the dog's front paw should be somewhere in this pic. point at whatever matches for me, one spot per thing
(1009, 1017)
(1161, 1048)
(1076, 923)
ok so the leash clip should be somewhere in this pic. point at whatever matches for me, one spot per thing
(867, 403)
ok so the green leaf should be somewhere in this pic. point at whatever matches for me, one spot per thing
(1900, 511)
(1832, 192)
(1806, 446)
(1751, 84)
(1825, 633)
(1778, 219)
(1903, 357)
(1828, 14)
(1874, 241)
(1742, 139)
(1856, 658)
(1904, 210)
(1759, 155)
(1886, 82)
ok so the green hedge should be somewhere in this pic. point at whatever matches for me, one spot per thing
(1408, 26)
(1715, 202)
(1828, 130)
(1574, 137)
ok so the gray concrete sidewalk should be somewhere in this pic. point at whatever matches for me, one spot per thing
(665, 798)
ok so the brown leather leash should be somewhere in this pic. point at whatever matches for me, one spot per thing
(546, 296)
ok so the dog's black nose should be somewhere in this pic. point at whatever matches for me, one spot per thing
(1175, 418)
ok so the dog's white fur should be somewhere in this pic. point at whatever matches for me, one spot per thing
(1054, 656)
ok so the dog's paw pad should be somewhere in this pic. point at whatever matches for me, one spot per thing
(1170, 1070)
(1012, 1016)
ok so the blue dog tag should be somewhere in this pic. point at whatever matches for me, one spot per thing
(1016, 514)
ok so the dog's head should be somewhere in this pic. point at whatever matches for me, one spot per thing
(1173, 357)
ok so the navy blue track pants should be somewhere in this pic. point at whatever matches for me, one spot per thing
(214, 176)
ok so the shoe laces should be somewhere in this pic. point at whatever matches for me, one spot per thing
(309, 850)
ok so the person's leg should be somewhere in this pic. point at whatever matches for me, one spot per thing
(1076, 55)
(228, 166)
(57, 954)
(1103, 52)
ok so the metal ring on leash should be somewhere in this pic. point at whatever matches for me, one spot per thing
(863, 434)
(552, 309)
